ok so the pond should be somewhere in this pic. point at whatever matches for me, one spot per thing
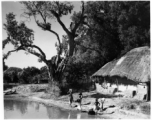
(25, 109)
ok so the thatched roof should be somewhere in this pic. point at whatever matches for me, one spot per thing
(134, 65)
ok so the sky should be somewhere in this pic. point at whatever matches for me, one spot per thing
(44, 39)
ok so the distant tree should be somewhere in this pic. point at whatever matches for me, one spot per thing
(6, 78)
(29, 75)
(44, 73)
(5, 67)
(11, 75)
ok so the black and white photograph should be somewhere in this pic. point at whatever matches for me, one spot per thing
(75, 59)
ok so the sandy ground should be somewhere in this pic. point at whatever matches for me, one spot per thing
(114, 107)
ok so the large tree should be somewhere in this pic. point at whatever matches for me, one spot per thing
(43, 13)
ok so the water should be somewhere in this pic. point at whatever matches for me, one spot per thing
(25, 109)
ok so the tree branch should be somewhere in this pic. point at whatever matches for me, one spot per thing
(44, 18)
(37, 54)
(60, 22)
(19, 48)
(81, 19)
(49, 29)
(6, 41)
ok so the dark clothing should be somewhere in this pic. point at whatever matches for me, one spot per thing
(71, 97)
(80, 98)
(97, 104)
(91, 112)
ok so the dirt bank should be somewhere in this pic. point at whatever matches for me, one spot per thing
(114, 107)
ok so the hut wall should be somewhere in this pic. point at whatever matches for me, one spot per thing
(141, 92)
(106, 90)
(128, 91)
(100, 89)
(122, 87)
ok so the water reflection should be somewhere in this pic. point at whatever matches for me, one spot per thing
(56, 113)
(78, 116)
(17, 105)
(37, 106)
(33, 110)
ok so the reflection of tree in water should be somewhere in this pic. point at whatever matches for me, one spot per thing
(32, 104)
(16, 105)
(37, 106)
(74, 115)
(56, 113)
(8, 105)
(21, 106)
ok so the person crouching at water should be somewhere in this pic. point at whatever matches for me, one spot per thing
(70, 97)
(97, 105)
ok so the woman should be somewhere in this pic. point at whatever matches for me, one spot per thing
(70, 97)
(97, 105)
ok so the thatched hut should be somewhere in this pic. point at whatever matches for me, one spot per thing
(129, 73)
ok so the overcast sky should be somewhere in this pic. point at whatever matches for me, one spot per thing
(45, 40)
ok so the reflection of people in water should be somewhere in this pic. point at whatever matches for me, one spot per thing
(70, 97)
(79, 116)
(97, 105)
(37, 106)
(69, 116)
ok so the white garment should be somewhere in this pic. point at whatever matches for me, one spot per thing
(79, 107)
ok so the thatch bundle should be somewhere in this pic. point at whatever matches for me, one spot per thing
(134, 65)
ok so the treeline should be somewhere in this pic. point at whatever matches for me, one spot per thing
(29, 75)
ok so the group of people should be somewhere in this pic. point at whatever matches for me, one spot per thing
(98, 105)
(79, 100)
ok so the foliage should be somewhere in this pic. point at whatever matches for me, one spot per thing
(29, 75)
(11, 75)
(134, 24)
(5, 67)
(44, 73)
(113, 28)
